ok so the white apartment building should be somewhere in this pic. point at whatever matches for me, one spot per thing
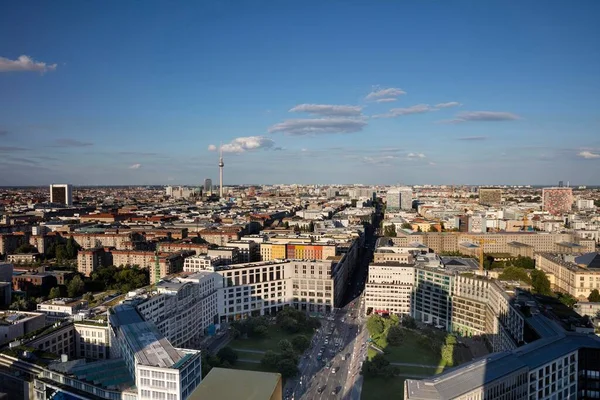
(160, 370)
(183, 308)
(60, 309)
(201, 263)
(389, 288)
(583, 204)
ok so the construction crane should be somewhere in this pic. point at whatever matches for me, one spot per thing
(526, 219)
(481, 241)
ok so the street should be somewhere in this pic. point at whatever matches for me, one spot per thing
(330, 368)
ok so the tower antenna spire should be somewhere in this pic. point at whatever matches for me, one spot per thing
(221, 165)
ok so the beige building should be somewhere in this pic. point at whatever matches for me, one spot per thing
(490, 196)
(576, 275)
(265, 287)
(89, 260)
(521, 243)
(389, 288)
(120, 241)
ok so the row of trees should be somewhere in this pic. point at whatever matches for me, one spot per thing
(536, 278)
(225, 358)
(122, 279)
(285, 361)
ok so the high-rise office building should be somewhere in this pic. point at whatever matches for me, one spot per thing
(208, 185)
(61, 194)
(399, 198)
(557, 200)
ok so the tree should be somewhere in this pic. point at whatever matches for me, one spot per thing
(75, 286)
(540, 282)
(419, 229)
(227, 354)
(26, 248)
(290, 325)
(567, 299)
(287, 349)
(270, 359)
(515, 274)
(311, 226)
(54, 293)
(287, 368)
(375, 325)
(395, 336)
(389, 231)
(89, 297)
(594, 296)
(524, 262)
(61, 253)
(71, 248)
(300, 343)
(261, 331)
(406, 225)
(379, 362)
(433, 228)
(409, 322)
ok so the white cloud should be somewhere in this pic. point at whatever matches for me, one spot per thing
(379, 93)
(415, 155)
(328, 110)
(588, 155)
(396, 112)
(23, 64)
(135, 166)
(482, 116)
(212, 147)
(386, 100)
(448, 104)
(243, 144)
(379, 160)
(299, 127)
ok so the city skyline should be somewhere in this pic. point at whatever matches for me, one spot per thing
(300, 93)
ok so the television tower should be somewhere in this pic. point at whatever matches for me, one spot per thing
(221, 165)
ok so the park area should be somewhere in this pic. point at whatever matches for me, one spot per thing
(267, 344)
(399, 350)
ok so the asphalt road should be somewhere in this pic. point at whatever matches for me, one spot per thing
(342, 335)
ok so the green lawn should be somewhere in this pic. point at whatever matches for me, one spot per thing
(382, 388)
(250, 356)
(268, 343)
(410, 351)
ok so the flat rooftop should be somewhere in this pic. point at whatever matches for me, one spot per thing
(249, 385)
(149, 345)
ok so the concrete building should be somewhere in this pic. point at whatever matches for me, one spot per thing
(389, 288)
(183, 308)
(208, 186)
(574, 274)
(265, 287)
(160, 370)
(9, 242)
(562, 365)
(5, 294)
(88, 260)
(516, 243)
(591, 309)
(477, 224)
(6, 272)
(583, 204)
(557, 200)
(399, 198)
(315, 251)
(201, 263)
(227, 254)
(248, 251)
(217, 385)
(490, 196)
(14, 324)
(27, 258)
(61, 194)
(61, 309)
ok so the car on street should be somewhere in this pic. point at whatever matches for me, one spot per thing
(336, 390)
(321, 389)
(334, 370)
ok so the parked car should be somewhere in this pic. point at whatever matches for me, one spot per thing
(321, 389)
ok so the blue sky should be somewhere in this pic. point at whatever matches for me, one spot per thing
(415, 92)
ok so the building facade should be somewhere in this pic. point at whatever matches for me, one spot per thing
(61, 194)
(557, 200)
